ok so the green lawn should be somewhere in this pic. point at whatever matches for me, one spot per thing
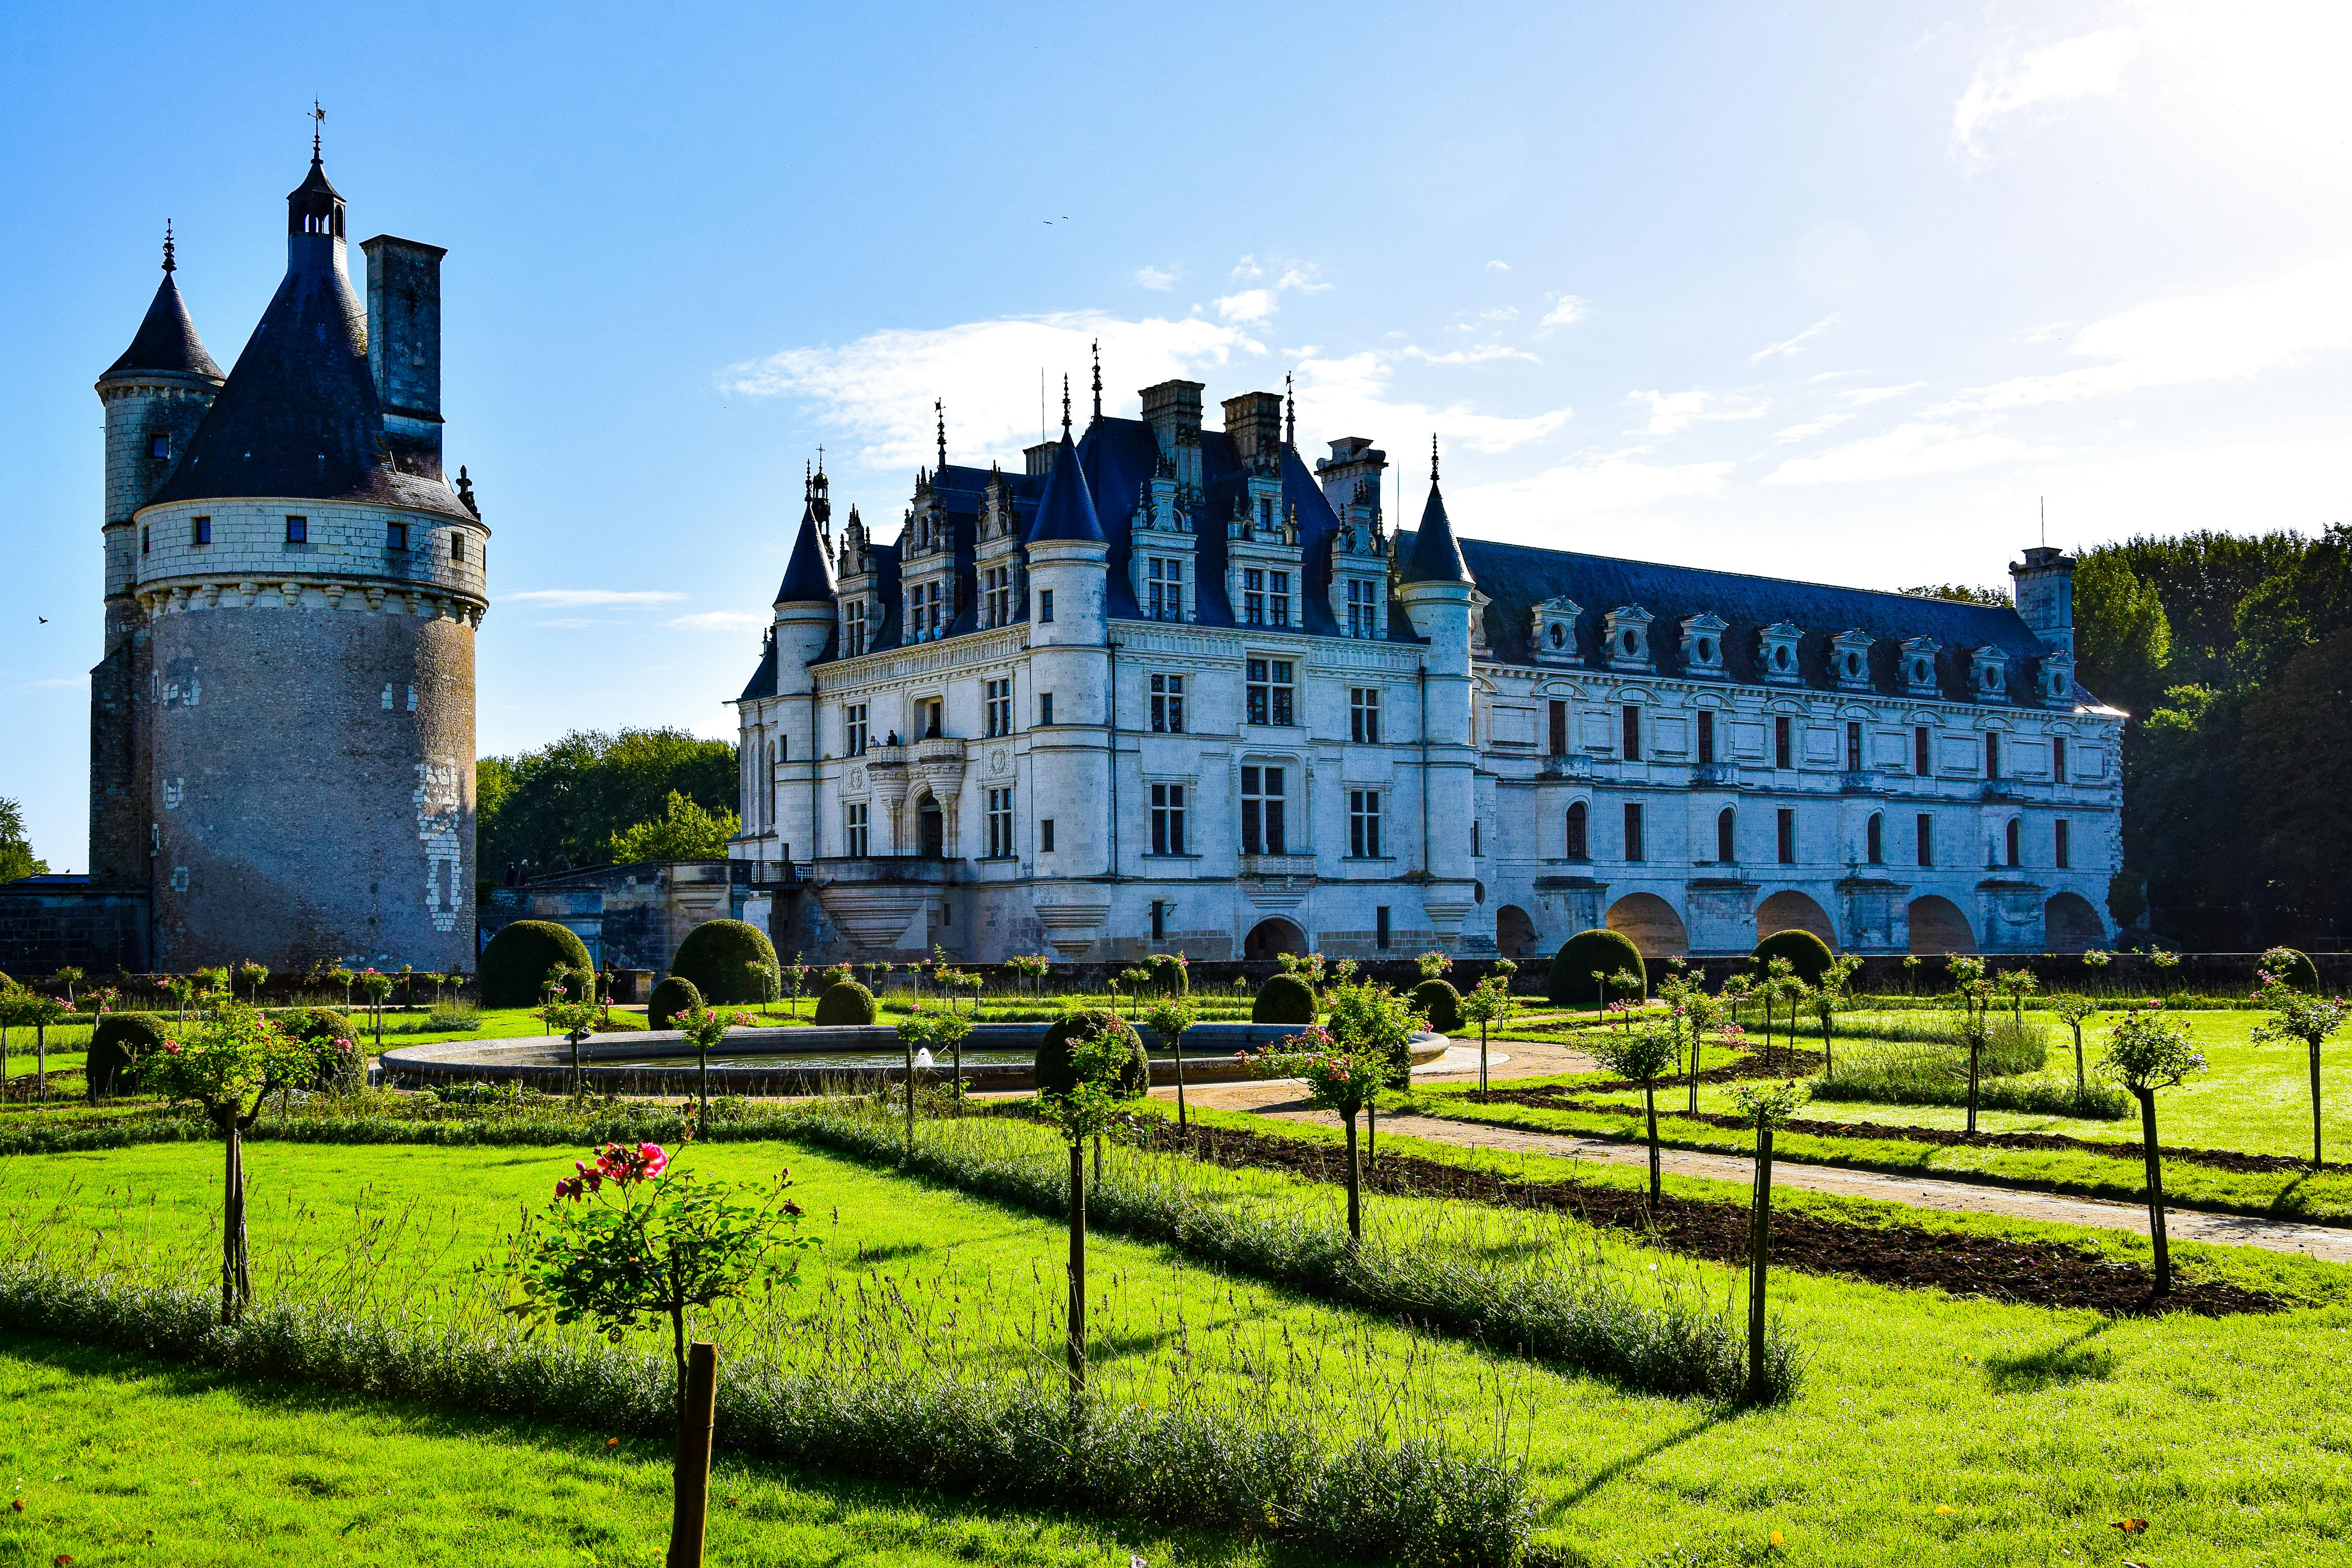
(1930, 1430)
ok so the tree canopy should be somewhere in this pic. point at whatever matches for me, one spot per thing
(566, 804)
(16, 858)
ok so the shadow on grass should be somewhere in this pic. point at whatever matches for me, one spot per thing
(847, 1496)
(1624, 1463)
(2071, 1360)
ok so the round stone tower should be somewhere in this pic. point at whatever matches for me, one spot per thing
(309, 585)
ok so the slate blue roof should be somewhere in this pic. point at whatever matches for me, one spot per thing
(1516, 577)
(763, 679)
(1434, 557)
(166, 341)
(808, 576)
(1067, 509)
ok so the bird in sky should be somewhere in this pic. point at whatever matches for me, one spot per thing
(42, 619)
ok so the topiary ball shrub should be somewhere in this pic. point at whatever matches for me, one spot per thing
(674, 996)
(846, 1004)
(2297, 971)
(1438, 1002)
(713, 955)
(515, 964)
(1284, 999)
(1056, 1076)
(316, 1024)
(113, 1043)
(1806, 952)
(1573, 966)
(1168, 975)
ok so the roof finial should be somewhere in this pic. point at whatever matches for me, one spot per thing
(1289, 413)
(169, 265)
(939, 407)
(820, 459)
(1098, 347)
(318, 118)
(1432, 457)
(1066, 408)
(808, 480)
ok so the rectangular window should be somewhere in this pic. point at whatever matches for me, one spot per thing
(1364, 823)
(1167, 819)
(853, 730)
(2058, 759)
(1874, 839)
(159, 445)
(854, 822)
(1000, 595)
(200, 530)
(456, 545)
(1634, 831)
(1919, 750)
(1267, 692)
(1381, 926)
(1360, 606)
(1164, 587)
(1706, 733)
(1277, 597)
(1261, 802)
(1044, 836)
(1556, 729)
(396, 536)
(1044, 603)
(931, 715)
(1788, 840)
(996, 705)
(1159, 919)
(1253, 597)
(1927, 839)
(1992, 753)
(1782, 741)
(1475, 850)
(1167, 704)
(1854, 746)
(142, 538)
(1044, 708)
(856, 617)
(1000, 824)
(1364, 715)
(298, 529)
(1632, 734)
(2061, 846)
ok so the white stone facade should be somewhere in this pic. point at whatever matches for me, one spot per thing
(1496, 760)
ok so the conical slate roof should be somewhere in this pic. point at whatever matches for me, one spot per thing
(808, 575)
(1067, 509)
(167, 341)
(1436, 558)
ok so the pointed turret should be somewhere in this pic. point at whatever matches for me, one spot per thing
(1436, 558)
(166, 342)
(1067, 509)
(808, 576)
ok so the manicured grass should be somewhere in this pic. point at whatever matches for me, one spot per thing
(121, 1459)
(2031, 1429)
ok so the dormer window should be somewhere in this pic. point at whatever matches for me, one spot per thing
(1553, 631)
(2057, 679)
(1625, 633)
(1919, 666)
(1850, 660)
(1703, 645)
(1776, 653)
(1988, 674)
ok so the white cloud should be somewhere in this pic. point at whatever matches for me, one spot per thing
(1571, 308)
(1479, 353)
(1859, 395)
(1247, 268)
(1829, 420)
(2089, 67)
(1534, 509)
(1498, 266)
(1353, 396)
(721, 620)
(1792, 345)
(1302, 278)
(1159, 277)
(1903, 452)
(1673, 411)
(2230, 334)
(576, 598)
(878, 390)
(1249, 305)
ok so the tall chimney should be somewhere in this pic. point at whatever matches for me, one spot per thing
(403, 307)
(1254, 422)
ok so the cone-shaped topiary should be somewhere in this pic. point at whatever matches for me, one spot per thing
(113, 1041)
(1284, 999)
(674, 996)
(1573, 966)
(1806, 952)
(713, 956)
(1054, 1074)
(1168, 974)
(515, 964)
(1437, 1001)
(2297, 971)
(846, 1003)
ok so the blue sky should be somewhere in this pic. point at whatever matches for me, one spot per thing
(1825, 290)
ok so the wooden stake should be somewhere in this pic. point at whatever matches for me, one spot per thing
(690, 1485)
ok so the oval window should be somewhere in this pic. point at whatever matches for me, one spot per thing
(1627, 642)
(1919, 671)
(1706, 651)
(1853, 664)
(1992, 679)
(1780, 656)
(1558, 634)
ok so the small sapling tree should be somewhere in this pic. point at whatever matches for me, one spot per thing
(69, 976)
(2013, 986)
(229, 1064)
(1645, 1054)
(1488, 1004)
(762, 976)
(635, 1240)
(375, 987)
(1032, 967)
(1135, 980)
(2075, 1009)
(1081, 1107)
(1769, 1106)
(2297, 1017)
(1833, 995)
(252, 976)
(37, 1012)
(576, 1021)
(1168, 1019)
(2146, 1052)
(704, 1027)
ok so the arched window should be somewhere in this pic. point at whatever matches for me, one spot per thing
(1725, 821)
(1577, 840)
(1874, 838)
(2009, 846)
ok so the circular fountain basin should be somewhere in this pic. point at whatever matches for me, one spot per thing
(774, 1061)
